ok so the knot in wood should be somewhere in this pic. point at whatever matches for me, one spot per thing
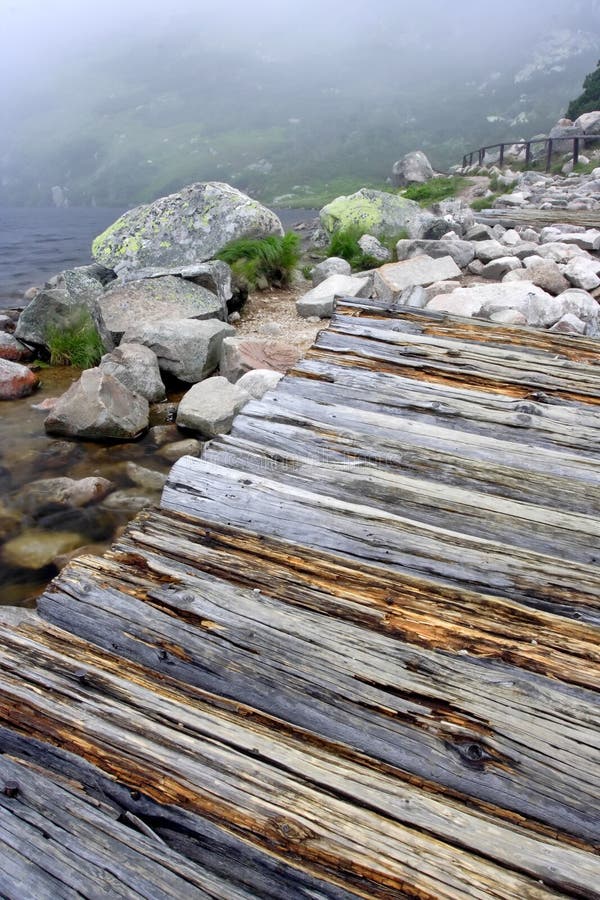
(291, 832)
(11, 789)
(473, 753)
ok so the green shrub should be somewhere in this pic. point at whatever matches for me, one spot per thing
(435, 190)
(589, 99)
(271, 259)
(344, 243)
(76, 344)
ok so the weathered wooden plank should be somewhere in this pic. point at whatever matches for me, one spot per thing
(66, 846)
(411, 707)
(560, 424)
(479, 331)
(357, 531)
(417, 610)
(319, 809)
(541, 529)
(497, 467)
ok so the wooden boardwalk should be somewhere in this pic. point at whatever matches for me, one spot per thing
(355, 654)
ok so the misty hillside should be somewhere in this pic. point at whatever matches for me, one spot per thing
(290, 121)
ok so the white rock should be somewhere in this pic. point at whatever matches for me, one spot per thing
(486, 251)
(320, 301)
(497, 268)
(510, 238)
(334, 265)
(392, 279)
(372, 247)
(508, 317)
(569, 324)
(210, 406)
(582, 274)
(538, 307)
(259, 381)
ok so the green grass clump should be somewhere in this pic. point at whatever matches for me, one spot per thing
(344, 243)
(484, 202)
(435, 190)
(77, 344)
(271, 260)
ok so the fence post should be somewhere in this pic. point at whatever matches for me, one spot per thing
(481, 156)
(575, 151)
(501, 155)
(549, 156)
(471, 159)
(528, 154)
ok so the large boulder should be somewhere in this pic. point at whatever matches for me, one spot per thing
(67, 300)
(241, 355)
(589, 123)
(392, 279)
(320, 300)
(125, 306)
(413, 168)
(97, 406)
(187, 348)
(210, 407)
(183, 229)
(375, 212)
(136, 367)
(16, 380)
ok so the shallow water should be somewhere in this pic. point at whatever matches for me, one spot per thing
(28, 454)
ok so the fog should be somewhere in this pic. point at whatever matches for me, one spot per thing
(116, 99)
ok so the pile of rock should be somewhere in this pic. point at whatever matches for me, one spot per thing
(158, 302)
(547, 279)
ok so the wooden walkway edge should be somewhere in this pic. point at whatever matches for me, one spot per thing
(354, 654)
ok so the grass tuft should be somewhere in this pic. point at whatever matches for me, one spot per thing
(77, 344)
(435, 190)
(344, 243)
(271, 259)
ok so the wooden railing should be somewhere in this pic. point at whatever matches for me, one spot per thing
(550, 145)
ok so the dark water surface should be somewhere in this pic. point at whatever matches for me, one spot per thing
(37, 243)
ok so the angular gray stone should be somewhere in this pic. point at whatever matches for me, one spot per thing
(210, 407)
(97, 406)
(497, 268)
(545, 274)
(508, 317)
(588, 240)
(187, 348)
(415, 296)
(370, 246)
(334, 265)
(582, 273)
(320, 300)
(259, 381)
(393, 278)
(56, 308)
(486, 251)
(569, 324)
(479, 232)
(136, 367)
(413, 168)
(214, 275)
(183, 229)
(462, 252)
(126, 306)
(581, 304)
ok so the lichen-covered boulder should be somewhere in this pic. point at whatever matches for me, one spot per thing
(184, 228)
(379, 213)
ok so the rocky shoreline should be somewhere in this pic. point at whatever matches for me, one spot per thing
(181, 354)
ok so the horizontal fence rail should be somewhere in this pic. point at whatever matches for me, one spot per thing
(550, 146)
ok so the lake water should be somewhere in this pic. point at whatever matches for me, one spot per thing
(37, 243)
